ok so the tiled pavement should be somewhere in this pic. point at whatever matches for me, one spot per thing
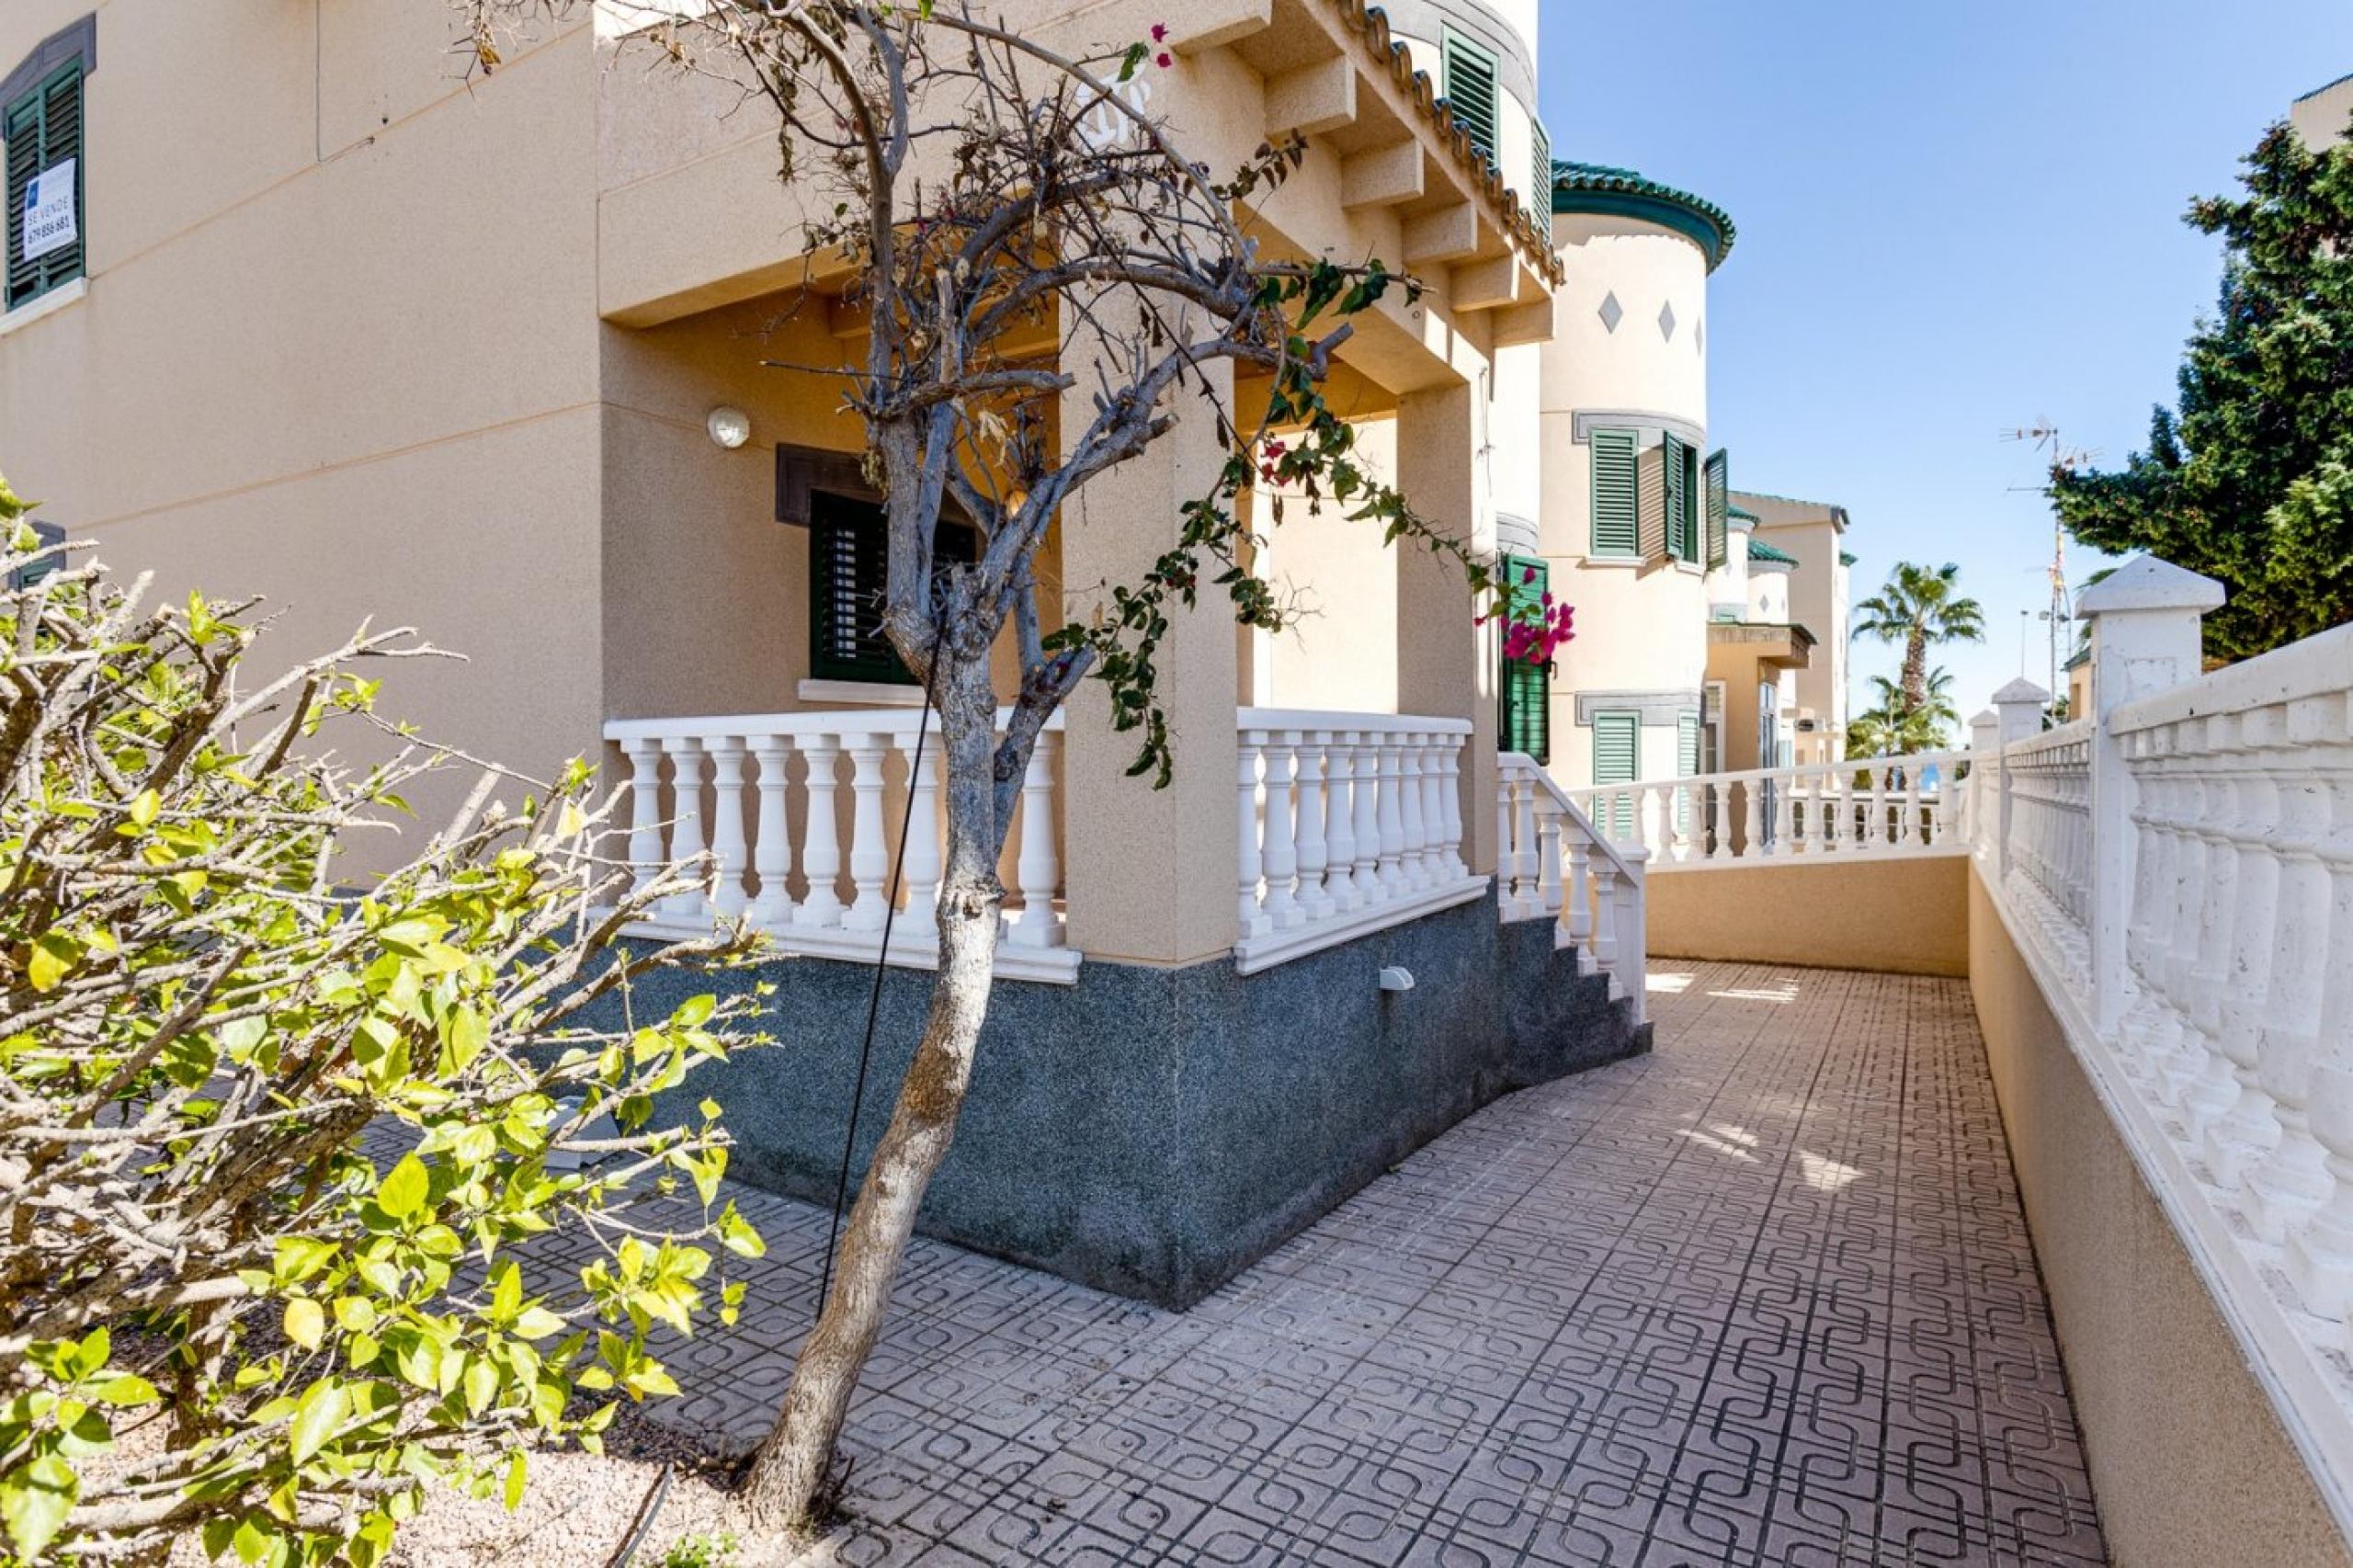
(1764, 1297)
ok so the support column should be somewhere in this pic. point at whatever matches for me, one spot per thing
(1149, 874)
(2017, 709)
(1446, 666)
(2146, 620)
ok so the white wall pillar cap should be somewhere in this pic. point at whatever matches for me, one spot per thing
(2145, 583)
(2020, 690)
(1987, 717)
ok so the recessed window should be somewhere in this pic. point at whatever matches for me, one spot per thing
(849, 571)
(41, 128)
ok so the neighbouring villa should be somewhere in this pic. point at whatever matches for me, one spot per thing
(306, 315)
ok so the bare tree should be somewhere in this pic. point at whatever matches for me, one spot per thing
(986, 186)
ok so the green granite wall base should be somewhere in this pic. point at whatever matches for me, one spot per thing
(1153, 1131)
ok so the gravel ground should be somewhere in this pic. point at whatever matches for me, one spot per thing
(578, 1509)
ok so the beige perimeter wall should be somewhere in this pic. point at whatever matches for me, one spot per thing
(1906, 916)
(2189, 1462)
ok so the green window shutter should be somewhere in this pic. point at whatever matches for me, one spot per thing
(1719, 505)
(1617, 742)
(849, 569)
(1524, 719)
(1615, 494)
(1539, 185)
(1470, 89)
(1673, 464)
(43, 129)
(1686, 763)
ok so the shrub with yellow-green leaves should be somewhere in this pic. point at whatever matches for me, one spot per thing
(274, 1148)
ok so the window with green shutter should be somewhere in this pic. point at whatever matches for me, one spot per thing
(1719, 505)
(1524, 717)
(1539, 185)
(1616, 530)
(42, 130)
(1470, 89)
(1687, 764)
(1674, 461)
(1617, 747)
(849, 566)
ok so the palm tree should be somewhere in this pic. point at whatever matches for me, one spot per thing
(1920, 605)
(1894, 725)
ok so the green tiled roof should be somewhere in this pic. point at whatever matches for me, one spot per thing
(1743, 513)
(1599, 188)
(1845, 558)
(1760, 551)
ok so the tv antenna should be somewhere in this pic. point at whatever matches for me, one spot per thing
(2044, 434)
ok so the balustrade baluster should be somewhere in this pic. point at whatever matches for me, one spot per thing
(1039, 868)
(922, 862)
(1911, 809)
(1314, 855)
(2292, 1182)
(1547, 895)
(2245, 1131)
(1604, 926)
(1395, 880)
(1450, 797)
(2214, 1092)
(1875, 833)
(1576, 893)
(685, 825)
(728, 849)
(1414, 856)
(1752, 819)
(1371, 887)
(1784, 840)
(821, 853)
(1340, 831)
(1250, 914)
(2320, 1251)
(1280, 850)
(1527, 858)
(870, 855)
(772, 839)
(645, 810)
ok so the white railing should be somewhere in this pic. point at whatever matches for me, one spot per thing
(799, 813)
(1347, 822)
(1551, 862)
(1903, 806)
(2178, 871)
(2045, 825)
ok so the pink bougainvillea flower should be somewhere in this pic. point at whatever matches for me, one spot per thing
(1160, 32)
(1163, 60)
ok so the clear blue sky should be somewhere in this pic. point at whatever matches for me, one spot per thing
(1953, 220)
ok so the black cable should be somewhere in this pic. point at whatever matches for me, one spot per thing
(882, 958)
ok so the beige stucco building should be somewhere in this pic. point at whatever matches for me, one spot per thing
(375, 334)
(2322, 115)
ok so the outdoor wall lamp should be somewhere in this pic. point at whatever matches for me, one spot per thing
(731, 427)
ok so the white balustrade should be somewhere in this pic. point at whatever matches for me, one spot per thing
(2177, 869)
(1890, 805)
(1589, 887)
(1347, 822)
(738, 789)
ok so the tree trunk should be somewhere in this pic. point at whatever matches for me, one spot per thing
(787, 1475)
(1915, 670)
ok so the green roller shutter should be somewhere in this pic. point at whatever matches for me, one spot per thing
(1674, 473)
(1719, 505)
(43, 129)
(1524, 719)
(1616, 530)
(1471, 89)
(1617, 746)
(849, 568)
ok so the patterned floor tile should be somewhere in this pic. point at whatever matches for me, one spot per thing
(1765, 1297)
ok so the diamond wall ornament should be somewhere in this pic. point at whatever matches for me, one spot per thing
(1666, 322)
(1611, 312)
